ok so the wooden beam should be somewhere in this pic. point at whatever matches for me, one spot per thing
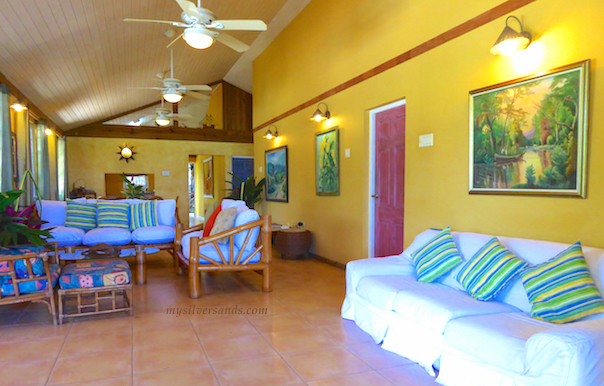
(171, 133)
(455, 32)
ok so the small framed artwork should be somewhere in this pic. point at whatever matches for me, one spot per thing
(277, 177)
(529, 136)
(208, 177)
(327, 162)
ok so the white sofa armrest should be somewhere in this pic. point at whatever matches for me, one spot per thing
(572, 355)
(391, 265)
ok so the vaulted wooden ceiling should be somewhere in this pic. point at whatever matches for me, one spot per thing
(75, 59)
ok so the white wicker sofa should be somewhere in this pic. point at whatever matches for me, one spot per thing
(471, 342)
(75, 241)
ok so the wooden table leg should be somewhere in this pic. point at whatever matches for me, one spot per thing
(141, 265)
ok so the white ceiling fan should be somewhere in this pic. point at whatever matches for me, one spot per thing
(173, 89)
(163, 117)
(201, 27)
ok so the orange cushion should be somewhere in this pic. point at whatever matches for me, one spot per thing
(207, 228)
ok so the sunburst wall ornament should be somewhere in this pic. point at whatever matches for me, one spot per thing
(126, 153)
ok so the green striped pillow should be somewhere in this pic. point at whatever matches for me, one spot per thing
(561, 289)
(490, 270)
(436, 258)
(113, 214)
(143, 215)
(81, 215)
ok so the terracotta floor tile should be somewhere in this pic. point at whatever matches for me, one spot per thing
(25, 372)
(364, 379)
(375, 356)
(269, 371)
(79, 344)
(121, 381)
(37, 317)
(8, 318)
(117, 322)
(276, 323)
(347, 333)
(163, 336)
(31, 349)
(299, 340)
(170, 357)
(226, 330)
(213, 318)
(35, 332)
(323, 317)
(325, 363)
(409, 375)
(253, 346)
(144, 320)
(91, 367)
(199, 376)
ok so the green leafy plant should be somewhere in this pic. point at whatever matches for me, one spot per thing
(247, 191)
(19, 227)
(131, 190)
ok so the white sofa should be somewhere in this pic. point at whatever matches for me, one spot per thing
(472, 342)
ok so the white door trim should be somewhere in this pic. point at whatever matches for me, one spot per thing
(371, 220)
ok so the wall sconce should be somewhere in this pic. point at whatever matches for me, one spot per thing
(511, 41)
(318, 115)
(18, 107)
(269, 134)
(126, 153)
(47, 131)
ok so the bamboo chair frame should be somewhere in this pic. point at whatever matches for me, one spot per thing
(262, 246)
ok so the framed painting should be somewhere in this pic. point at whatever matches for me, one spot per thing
(327, 162)
(277, 178)
(208, 177)
(529, 136)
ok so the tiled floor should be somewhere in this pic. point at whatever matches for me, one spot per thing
(300, 341)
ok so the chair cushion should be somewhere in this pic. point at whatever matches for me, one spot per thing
(113, 215)
(111, 236)
(380, 291)
(224, 222)
(561, 289)
(7, 288)
(245, 217)
(81, 215)
(143, 215)
(209, 224)
(53, 212)
(496, 339)
(490, 270)
(67, 236)
(437, 257)
(95, 274)
(153, 235)
(210, 251)
(37, 264)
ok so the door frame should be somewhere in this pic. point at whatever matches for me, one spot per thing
(371, 191)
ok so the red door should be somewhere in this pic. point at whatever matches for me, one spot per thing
(389, 181)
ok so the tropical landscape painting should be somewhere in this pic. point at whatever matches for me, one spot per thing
(327, 162)
(276, 174)
(529, 136)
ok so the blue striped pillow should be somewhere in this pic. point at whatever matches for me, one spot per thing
(490, 270)
(81, 215)
(113, 214)
(562, 290)
(143, 215)
(436, 258)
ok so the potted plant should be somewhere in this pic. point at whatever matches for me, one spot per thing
(131, 190)
(19, 227)
(247, 191)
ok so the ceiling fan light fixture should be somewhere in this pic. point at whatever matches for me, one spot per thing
(172, 96)
(162, 121)
(198, 37)
(511, 41)
(318, 115)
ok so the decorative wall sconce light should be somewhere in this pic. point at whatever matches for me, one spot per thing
(18, 107)
(47, 131)
(511, 41)
(269, 134)
(126, 153)
(318, 115)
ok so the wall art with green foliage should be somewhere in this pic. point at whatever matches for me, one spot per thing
(529, 136)
(277, 181)
(327, 152)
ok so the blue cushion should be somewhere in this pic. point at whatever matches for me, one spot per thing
(159, 234)
(54, 212)
(67, 236)
(246, 217)
(165, 212)
(20, 267)
(7, 288)
(111, 236)
(143, 215)
(112, 214)
(81, 215)
(210, 251)
(95, 274)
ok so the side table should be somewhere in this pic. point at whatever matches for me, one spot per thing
(293, 243)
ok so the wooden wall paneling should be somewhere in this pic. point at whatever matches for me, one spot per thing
(237, 108)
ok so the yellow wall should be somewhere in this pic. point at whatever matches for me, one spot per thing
(90, 158)
(215, 108)
(435, 86)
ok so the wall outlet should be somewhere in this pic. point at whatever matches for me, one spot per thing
(426, 140)
(259, 169)
(165, 173)
(347, 153)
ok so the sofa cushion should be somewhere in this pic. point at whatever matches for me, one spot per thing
(111, 236)
(561, 289)
(7, 288)
(53, 212)
(490, 270)
(437, 257)
(245, 217)
(224, 221)
(153, 235)
(165, 212)
(95, 274)
(380, 291)
(112, 214)
(81, 215)
(433, 308)
(143, 215)
(67, 236)
(496, 339)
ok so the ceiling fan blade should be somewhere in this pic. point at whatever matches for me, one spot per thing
(232, 43)
(198, 95)
(146, 119)
(189, 8)
(174, 41)
(154, 21)
(146, 88)
(199, 87)
(180, 116)
(240, 25)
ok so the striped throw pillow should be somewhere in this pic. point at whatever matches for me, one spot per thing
(81, 215)
(561, 289)
(143, 215)
(436, 258)
(113, 214)
(490, 270)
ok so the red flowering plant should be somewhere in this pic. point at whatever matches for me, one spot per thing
(19, 227)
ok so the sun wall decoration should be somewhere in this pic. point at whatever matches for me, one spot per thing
(126, 153)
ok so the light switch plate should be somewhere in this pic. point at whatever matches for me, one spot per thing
(347, 153)
(259, 169)
(426, 140)
(165, 173)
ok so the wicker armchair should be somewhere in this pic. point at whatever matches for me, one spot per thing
(249, 255)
